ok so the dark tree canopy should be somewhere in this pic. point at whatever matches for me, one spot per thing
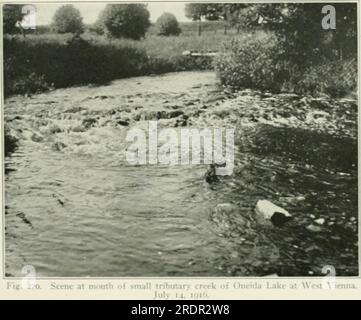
(67, 19)
(167, 25)
(125, 20)
(199, 11)
(212, 11)
(298, 27)
(11, 16)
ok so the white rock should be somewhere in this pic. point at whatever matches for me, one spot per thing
(267, 209)
(320, 221)
(273, 275)
(313, 228)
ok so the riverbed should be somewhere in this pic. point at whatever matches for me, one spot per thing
(76, 208)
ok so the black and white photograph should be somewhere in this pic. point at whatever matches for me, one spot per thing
(180, 139)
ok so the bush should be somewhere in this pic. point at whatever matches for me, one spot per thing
(125, 20)
(11, 15)
(167, 25)
(30, 84)
(38, 62)
(253, 63)
(31, 65)
(337, 78)
(67, 19)
(264, 65)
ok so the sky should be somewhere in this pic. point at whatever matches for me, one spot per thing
(90, 11)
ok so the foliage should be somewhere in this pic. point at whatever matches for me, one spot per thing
(96, 59)
(252, 63)
(298, 28)
(302, 57)
(213, 11)
(335, 79)
(197, 11)
(11, 15)
(260, 64)
(67, 19)
(167, 25)
(296, 25)
(125, 20)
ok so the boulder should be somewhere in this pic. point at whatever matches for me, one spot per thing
(267, 210)
(36, 137)
(320, 221)
(123, 122)
(89, 122)
(58, 146)
(313, 228)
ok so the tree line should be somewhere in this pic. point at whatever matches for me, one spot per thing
(296, 25)
(116, 20)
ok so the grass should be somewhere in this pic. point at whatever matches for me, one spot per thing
(247, 60)
(37, 61)
(188, 28)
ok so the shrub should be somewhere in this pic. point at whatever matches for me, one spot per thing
(125, 20)
(253, 63)
(32, 83)
(264, 65)
(11, 15)
(67, 19)
(32, 64)
(38, 62)
(167, 25)
(337, 78)
(297, 27)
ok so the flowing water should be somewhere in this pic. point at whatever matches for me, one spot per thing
(75, 207)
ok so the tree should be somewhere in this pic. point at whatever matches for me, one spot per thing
(67, 19)
(228, 12)
(298, 28)
(207, 11)
(12, 16)
(125, 20)
(199, 11)
(167, 25)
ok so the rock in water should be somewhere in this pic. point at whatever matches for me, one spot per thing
(211, 175)
(313, 228)
(123, 123)
(58, 146)
(320, 221)
(269, 211)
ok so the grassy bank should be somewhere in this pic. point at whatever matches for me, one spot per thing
(37, 62)
(248, 60)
